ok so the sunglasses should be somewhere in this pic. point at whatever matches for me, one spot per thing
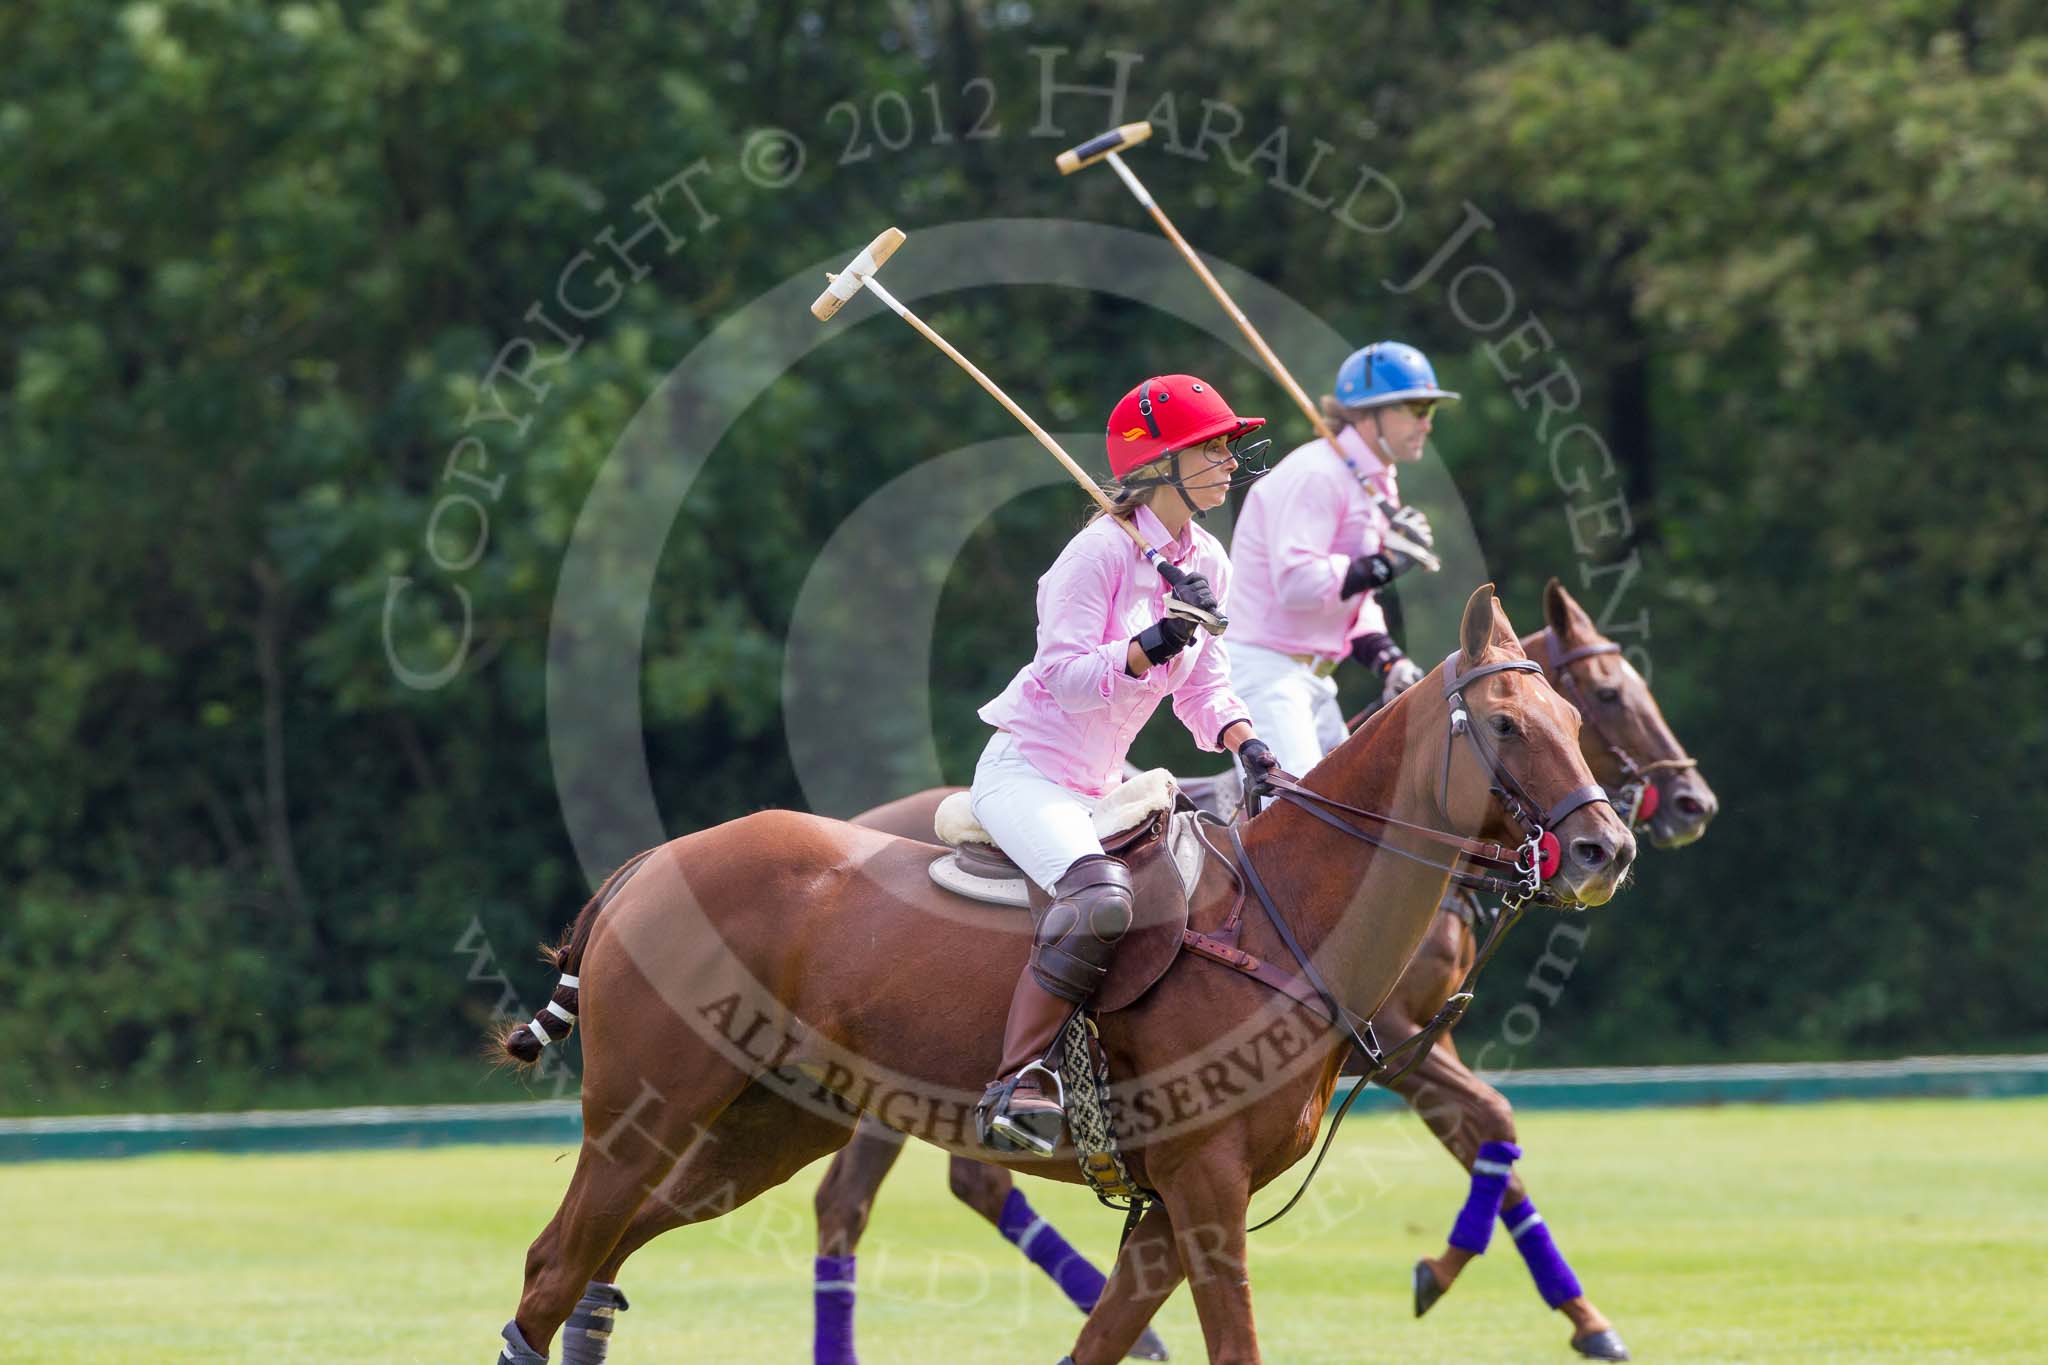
(1421, 409)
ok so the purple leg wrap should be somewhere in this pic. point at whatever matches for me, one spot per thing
(1474, 1228)
(832, 1311)
(1554, 1278)
(1041, 1241)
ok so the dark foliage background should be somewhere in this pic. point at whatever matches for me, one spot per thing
(255, 259)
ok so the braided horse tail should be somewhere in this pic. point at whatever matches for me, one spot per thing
(520, 1045)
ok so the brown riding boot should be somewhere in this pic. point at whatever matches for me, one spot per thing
(1071, 950)
(1031, 1118)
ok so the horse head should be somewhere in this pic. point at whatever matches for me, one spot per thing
(1626, 740)
(1524, 751)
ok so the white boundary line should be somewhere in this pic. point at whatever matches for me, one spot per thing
(372, 1116)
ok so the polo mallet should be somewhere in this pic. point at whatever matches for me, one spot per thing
(1104, 147)
(861, 271)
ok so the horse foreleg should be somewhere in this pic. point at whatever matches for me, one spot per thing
(1476, 1124)
(1206, 1198)
(1468, 1116)
(1147, 1270)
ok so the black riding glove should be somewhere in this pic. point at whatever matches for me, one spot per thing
(1190, 605)
(1163, 639)
(1259, 763)
(1192, 599)
(1255, 764)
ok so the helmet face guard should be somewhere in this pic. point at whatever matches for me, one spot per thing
(1251, 465)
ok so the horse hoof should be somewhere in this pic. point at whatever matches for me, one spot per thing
(1601, 1345)
(1149, 1347)
(1427, 1290)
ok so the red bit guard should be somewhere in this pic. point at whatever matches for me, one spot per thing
(1553, 854)
(1647, 807)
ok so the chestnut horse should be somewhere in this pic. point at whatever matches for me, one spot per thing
(749, 989)
(1627, 745)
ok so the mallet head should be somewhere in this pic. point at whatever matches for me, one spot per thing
(1101, 145)
(847, 282)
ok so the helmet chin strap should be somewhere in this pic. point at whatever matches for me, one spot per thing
(1379, 438)
(1173, 481)
(1182, 489)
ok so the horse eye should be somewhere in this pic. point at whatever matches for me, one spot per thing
(1503, 727)
(1609, 695)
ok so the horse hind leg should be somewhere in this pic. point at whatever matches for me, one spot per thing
(614, 1173)
(759, 1141)
(845, 1198)
(992, 1192)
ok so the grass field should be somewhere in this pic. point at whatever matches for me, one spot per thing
(1908, 1231)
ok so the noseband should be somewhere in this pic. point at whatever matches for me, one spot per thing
(1638, 792)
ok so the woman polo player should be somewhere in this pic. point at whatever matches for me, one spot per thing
(1113, 641)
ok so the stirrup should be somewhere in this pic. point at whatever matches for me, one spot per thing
(1003, 1132)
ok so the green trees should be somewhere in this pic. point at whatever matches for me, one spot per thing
(259, 260)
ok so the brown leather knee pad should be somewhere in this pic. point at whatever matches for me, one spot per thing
(1075, 941)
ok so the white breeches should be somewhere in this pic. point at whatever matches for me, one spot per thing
(1293, 710)
(1043, 826)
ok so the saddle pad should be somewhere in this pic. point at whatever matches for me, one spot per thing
(1182, 841)
(1126, 807)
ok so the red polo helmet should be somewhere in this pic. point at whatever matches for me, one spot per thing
(1166, 413)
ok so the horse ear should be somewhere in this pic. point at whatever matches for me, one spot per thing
(1563, 614)
(1475, 632)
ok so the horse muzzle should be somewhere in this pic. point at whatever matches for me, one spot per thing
(1595, 852)
(1679, 816)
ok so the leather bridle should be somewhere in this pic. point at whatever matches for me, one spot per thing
(1479, 865)
(1637, 778)
(1516, 876)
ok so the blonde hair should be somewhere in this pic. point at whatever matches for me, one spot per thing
(1337, 416)
(1127, 500)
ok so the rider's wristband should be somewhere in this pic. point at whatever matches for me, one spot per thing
(1367, 571)
(1163, 639)
(1376, 651)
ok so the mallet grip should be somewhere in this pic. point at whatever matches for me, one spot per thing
(1101, 145)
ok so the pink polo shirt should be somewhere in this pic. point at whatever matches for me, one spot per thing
(1300, 526)
(1074, 709)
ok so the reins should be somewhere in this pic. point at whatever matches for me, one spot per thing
(1517, 879)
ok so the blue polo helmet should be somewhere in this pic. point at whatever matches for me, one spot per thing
(1386, 372)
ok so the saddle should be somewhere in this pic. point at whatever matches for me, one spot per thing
(1145, 822)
